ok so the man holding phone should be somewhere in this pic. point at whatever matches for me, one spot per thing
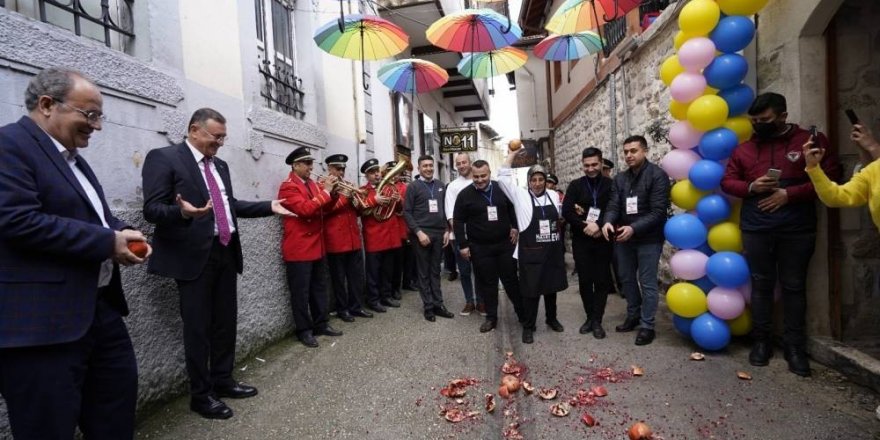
(778, 222)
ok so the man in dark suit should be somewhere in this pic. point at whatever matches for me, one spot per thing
(66, 359)
(188, 196)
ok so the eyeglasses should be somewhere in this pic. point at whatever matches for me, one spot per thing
(93, 116)
(217, 138)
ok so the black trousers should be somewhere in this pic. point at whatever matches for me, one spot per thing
(397, 270)
(782, 257)
(449, 263)
(410, 270)
(592, 259)
(530, 310)
(347, 280)
(308, 294)
(428, 260)
(209, 309)
(490, 263)
(380, 270)
(90, 383)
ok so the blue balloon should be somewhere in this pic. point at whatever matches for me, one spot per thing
(739, 98)
(705, 284)
(713, 209)
(718, 144)
(733, 33)
(726, 71)
(710, 332)
(706, 174)
(727, 269)
(685, 231)
(682, 324)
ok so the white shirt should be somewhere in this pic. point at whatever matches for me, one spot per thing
(200, 162)
(106, 272)
(523, 201)
(452, 191)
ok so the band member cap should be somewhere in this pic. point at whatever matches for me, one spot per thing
(369, 165)
(301, 154)
(338, 160)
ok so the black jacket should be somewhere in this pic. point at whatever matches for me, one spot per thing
(579, 193)
(471, 218)
(651, 185)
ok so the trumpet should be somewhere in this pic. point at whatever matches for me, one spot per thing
(346, 188)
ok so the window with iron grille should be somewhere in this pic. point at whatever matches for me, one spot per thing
(280, 87)
(614, 32)
(107, 21)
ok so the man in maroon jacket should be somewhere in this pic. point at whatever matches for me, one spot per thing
(778, 223)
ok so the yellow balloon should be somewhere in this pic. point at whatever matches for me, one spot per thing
(678, 110)
(711, 91)
(741, 7)
(699, 17)
(742, 324)
(679, 39)
(707, 112)
(685, 195)
(686, 300)
(670, 68)
(725, 237)
(740, 125)
(735, 211)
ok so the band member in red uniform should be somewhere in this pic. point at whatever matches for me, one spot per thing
(303, 246)
(381, 239)
(342, 237)
(397, 271)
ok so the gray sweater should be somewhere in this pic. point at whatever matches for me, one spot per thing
(416, 207)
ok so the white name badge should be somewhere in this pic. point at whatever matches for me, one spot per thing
(493, 213)
(593, 215)
(632, 205)
(432, 206)
(543, 227)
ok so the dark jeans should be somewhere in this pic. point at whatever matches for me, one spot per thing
(464, 274)
(782, 257)
(592, 260)
(428, 261)
(530, 310)
(492, 262)
(308, 295)
(410, 269)
(380, 270)
(90, 382)
(448, 259)
(637, 267)
(347, 279)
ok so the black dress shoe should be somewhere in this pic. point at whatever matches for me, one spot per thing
(345, 316)
(628, 325)
(797, 361)
(443, 313)
(362, 313)
(389, 302)
(396, 295)
(587, 327)
(328, 331)
(308, 340)
(236, 391)
(487, 326)
(211, 408)
(429, 316)
(378, 308)
(528, 336)
(598, 331)
(453, 276)
(411, 287)
(645, 336)
(761, 353)
(556, 326)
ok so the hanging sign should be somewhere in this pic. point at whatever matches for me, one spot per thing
(458, 140)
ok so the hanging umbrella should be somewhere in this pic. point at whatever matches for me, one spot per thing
(569, 47)
(506, 9)
(583, 15)
(492, 63)
(361, 37)
(413, 76)
(473, 30)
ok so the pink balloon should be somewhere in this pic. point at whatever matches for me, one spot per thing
(725, 303)
(687, 86)
(688, 264)
(697, 53)
(678, 162)
(683, 135)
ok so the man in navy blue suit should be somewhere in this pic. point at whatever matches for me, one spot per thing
(66, 359)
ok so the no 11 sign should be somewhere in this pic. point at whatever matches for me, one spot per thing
(456, 141)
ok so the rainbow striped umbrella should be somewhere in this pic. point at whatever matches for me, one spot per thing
(583, 15)
(361, 37)
(569, 47)
(413, 75)
(492, 63)
(473, 30)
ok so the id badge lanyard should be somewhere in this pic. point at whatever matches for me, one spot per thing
(491, 210)
(432, 202)
(543, 223)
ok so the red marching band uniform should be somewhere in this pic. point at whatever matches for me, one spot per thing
(340, 222)
(380, 235)
(404, 231)
(303, 234)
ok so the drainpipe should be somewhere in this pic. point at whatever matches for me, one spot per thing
(534, 115)
(357, 120)
(612, 110)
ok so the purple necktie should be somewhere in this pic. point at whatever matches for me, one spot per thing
(219, 206)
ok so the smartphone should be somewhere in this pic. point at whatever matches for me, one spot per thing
(814, 133)
(853, 119)
(774, 173)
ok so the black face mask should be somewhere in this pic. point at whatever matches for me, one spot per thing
(765, 130)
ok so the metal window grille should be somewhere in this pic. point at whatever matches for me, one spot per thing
(281, 88)
(614, 32)
(110, 21)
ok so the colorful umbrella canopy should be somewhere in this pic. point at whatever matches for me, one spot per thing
(569, 47)
(492, 63)
(413, 75)
(364, 37)
(583, 15)
(473, 30)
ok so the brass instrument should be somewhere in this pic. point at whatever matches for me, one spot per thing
(348, 189)
(386, 189)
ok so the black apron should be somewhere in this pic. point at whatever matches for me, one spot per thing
(541, 256)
